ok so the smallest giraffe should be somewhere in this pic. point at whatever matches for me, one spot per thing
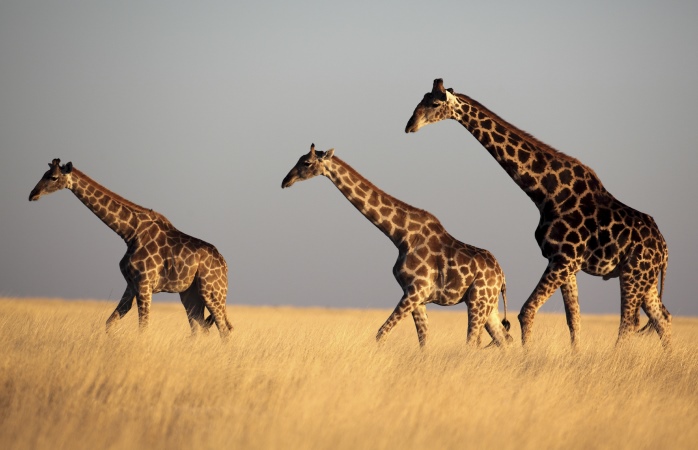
(432, 266)
(159, 257)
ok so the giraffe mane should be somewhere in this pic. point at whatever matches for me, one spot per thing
(395, 201)
(528, 137)
(125, 202)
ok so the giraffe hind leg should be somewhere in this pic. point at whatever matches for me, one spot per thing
(650, 326)
(194, 306)
(481, 306)
(659, 316)
(499, 333)
(214, 299)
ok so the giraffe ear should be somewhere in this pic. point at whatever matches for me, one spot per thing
(328, 154)
(450, 90)
(68, 167)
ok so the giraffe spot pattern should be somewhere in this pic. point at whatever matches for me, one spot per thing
(432, 266)
(159, 258)
(582, 226)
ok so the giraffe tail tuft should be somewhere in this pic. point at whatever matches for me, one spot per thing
(505, 322)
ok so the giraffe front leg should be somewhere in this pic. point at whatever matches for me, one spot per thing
(419, 314)
(407, 304)
(122, 308)
(553, 277)
(143, 299)
(570, 298)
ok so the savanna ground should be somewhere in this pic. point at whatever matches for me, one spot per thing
(315, 378)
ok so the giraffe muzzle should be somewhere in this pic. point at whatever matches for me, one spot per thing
(412, 125)
(288, 181)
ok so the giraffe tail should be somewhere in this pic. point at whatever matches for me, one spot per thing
(505, 322)
(666, 313)
(661, 288)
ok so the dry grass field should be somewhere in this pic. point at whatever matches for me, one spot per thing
(315, 378)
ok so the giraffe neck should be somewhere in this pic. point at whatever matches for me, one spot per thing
(122, 216)
(396, 219)
(528, 161)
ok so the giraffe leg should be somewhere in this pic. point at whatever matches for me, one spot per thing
(650, 325)
(479, 302)
(571, 301)
(216, 307)
(143, 299)
(500, 336)
(406, 305)
(194, 306)
(419, 314)
(214, 300)
(632, 296)
(658, 316)
(122, 308)
(553, 277)
(475, 324)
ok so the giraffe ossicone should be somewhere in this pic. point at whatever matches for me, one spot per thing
(432, 266)
(582, 226)
(159, 257)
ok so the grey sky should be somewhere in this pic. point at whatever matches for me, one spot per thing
(198, 110)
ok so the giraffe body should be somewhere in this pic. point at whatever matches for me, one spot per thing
(432, 266)
(582, 226)
(159, 258)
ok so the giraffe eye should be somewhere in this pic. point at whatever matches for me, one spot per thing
(54, 178)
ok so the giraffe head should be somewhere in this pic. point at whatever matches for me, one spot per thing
(56, 178)
(308, 166)
(435, 106)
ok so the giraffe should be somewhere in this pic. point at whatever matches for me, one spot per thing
(432, 266)
(159, 257)
(582, 226)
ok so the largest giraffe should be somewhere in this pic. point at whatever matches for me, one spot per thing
(582, 226)
(159, 257)
(432, 266)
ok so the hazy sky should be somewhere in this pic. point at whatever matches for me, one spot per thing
(199, 109)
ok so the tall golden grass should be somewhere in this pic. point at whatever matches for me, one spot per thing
(315, 378)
